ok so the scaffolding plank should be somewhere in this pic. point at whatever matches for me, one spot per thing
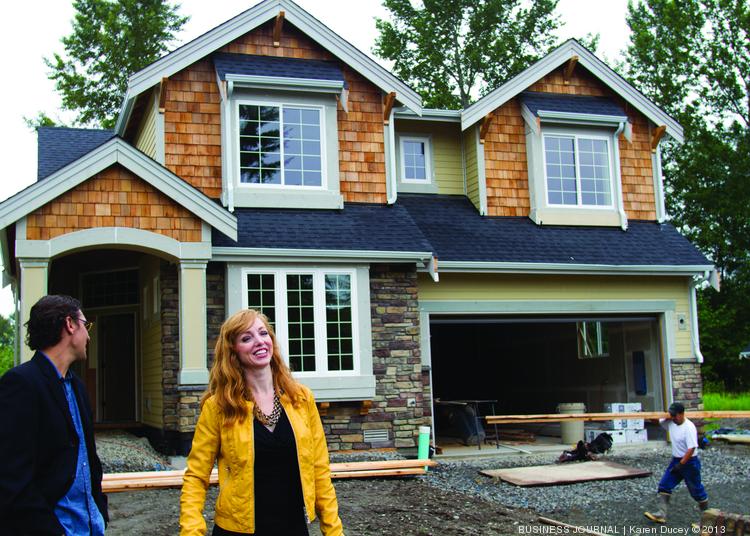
(565, 473)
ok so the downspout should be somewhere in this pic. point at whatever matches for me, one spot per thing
(618, 182)
(392, 181)
(694, 317)
(661, 210)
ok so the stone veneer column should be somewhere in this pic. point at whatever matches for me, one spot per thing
(400, 405)
(687, 384)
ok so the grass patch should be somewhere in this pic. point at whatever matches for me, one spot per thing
(726, 402)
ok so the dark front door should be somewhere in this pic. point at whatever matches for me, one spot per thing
(116, 349)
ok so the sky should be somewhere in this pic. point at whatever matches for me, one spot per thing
(30, 31)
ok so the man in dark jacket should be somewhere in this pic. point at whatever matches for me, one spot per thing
(50, 474)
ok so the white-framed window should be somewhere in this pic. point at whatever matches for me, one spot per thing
(578, 170)
(416, 159)
(280, 145)
(315, 314)
(593, 339)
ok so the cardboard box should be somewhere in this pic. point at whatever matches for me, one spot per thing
(619, 437)
(624, 424)
(636, 436)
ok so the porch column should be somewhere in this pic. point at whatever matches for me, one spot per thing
(33, 286)
(193, 325)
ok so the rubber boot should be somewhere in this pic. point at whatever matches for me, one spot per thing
(702, 506)
(660, 516)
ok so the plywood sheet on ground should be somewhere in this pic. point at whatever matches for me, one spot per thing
(565, 473)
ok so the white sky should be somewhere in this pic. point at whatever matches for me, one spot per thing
(32, 30)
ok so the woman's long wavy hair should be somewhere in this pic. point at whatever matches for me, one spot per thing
(226, 379)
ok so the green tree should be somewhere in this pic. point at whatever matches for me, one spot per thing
(7, 338)
(448, 50)
(111, 40)
(692, 57)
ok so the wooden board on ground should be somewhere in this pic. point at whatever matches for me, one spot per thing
(565, 473)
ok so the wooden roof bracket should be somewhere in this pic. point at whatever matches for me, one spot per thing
(486, 122)
(657, 136)
(569, 67)
(388, 103)
(277, 29)
(163, 95)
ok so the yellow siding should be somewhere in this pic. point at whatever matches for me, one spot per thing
(446, 152)
(472, 171)
(145, 139)
(528, 288)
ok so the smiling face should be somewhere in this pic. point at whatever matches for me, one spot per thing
(254, 346)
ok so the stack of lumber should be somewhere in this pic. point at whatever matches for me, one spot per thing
(560, 417)
(523, 436)
(116, 482)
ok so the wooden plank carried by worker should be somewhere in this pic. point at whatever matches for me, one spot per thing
(565, 473)
(117, 482)
(562, 417)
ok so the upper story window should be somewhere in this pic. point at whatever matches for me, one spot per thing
(415, 160)
(280, 145)
(578, 171)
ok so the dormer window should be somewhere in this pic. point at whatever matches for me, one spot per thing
(415, 160)
(280, 145)
(578, 170)
(573, 159)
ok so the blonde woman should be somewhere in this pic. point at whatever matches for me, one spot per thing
(264, 429)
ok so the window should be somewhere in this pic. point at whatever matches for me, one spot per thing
(415, 160)
(280, 145)
(577, 171)
(593, 340)
(105, 289)
(314, 314)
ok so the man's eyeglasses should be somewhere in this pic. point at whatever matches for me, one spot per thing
(86, 323)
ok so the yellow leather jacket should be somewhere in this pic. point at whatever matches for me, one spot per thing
(233, 447)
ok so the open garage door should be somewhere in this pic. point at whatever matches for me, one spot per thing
(531, 364)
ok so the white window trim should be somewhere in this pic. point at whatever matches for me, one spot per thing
(542, 213)
(427, 141)
(280, 104)
(281, 322)
(577, 135)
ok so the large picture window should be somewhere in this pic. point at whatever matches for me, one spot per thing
(280, 145)
(578, 171)
(314, 314)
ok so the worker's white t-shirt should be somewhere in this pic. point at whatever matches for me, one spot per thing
(683, 436)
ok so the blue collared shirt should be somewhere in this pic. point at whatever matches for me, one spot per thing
(77, 511)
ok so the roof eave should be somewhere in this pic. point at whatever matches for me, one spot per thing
(557, 268)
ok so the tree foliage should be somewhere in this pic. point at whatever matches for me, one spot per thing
(7, 338)
(111, 39)
(448, 50)
(692, 57)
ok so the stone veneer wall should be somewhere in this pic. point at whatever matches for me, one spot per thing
(402, 400)
(687, 384)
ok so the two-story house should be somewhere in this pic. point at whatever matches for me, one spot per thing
(516, 250)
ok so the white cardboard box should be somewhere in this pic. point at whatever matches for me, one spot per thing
(624, 424)
(619, 437)
(636, 436)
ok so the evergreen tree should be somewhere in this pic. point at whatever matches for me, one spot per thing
(692, 57)
(448, 50)
(111, 40)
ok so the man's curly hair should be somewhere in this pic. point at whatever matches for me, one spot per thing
(47, 318)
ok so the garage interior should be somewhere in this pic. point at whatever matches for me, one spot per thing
(529, 365)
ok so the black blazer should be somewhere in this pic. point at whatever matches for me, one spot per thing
(39, 448)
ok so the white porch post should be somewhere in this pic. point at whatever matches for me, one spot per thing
(33, 286)
(193, 324)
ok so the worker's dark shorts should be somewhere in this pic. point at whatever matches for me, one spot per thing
(691, 473)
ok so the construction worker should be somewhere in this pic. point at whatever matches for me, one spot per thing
(685, 464)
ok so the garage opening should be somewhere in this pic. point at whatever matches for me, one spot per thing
(528, 365)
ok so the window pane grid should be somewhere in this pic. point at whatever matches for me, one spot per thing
(577, 171)
(301, 322)
(415, 163)
(280, 145)
(339, 322)
(260, 294)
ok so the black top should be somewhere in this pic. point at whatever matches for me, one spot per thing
(279, 508)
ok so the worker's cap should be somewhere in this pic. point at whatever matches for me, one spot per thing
(676, 408)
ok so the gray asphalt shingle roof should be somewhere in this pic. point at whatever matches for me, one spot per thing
(60, 146)
(248, 64)
(555, 102)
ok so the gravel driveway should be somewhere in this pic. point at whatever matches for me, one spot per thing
(455, 499)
